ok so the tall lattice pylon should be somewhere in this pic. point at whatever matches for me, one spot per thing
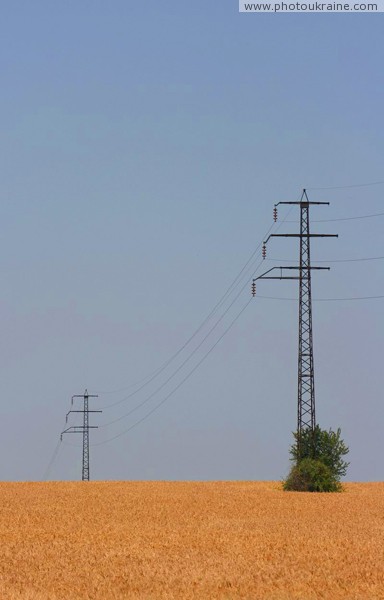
(85, 467)
(306, 409)
(84, 429)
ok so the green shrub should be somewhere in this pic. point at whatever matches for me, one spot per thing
(325, 446)
(311, 475)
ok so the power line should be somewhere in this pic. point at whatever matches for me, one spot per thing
(147, 380)
(243, 273)
(182, 364)
(51, 462)
(350, 218)
(206, 354)
(194, 351)
(344, 218)
(159, 371)
(239, 278)
(155, 408)
(344, 187)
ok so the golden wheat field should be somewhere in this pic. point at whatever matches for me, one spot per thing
(154, 540)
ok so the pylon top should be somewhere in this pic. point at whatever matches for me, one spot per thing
(302, 202)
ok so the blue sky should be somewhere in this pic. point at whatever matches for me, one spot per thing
(143, 146)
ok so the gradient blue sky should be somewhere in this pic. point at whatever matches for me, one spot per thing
(143, 146)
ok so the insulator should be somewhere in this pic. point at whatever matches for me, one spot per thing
(275, 214)
(264, 251)
(253, 288)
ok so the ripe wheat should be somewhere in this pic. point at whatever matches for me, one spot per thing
(163, 540)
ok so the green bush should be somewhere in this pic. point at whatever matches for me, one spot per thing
(318, 457)
(311, 475)
(325, 446)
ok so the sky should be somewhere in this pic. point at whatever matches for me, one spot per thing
(143, 147)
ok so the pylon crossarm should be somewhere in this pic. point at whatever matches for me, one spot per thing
(75, 396)
(301, 202)
(265, 274)
(78, 428)
(299, 235)
(302, 235)
(81, 411)
(72, 429)
(298, 268)
(85, 394)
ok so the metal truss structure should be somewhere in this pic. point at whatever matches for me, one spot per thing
(84, 429)
(306, 409)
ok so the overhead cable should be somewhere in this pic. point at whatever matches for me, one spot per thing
(343, 218)
(51, 462)
(155, 408)
(147, 380)
(344, 187)
(182, 364)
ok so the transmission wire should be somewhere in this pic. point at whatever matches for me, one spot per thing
(248, 265)
(228, 292)
(209, 316)
(342, 219)
(198, 364)
(53, 458)
(155, 408)
(344, 187)
(182, 364)
(194, 351)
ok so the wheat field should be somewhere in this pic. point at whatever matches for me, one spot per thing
(155, 540)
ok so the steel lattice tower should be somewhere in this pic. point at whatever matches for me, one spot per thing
(84, 429)
(306, 410)
(85, 469)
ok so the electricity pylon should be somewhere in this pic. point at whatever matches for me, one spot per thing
(84, 429)
(306, 409)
